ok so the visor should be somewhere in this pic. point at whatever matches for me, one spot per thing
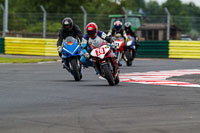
(91, 33)
(68, 26)
(118, 27)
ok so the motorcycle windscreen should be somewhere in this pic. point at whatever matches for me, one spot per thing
(97, 42)
(130, 38)
(129, 43)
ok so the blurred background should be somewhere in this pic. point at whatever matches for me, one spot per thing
(26, 18)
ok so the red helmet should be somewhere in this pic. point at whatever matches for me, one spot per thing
(92, 30)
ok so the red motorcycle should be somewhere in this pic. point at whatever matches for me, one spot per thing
(118, 46)
(105, 62)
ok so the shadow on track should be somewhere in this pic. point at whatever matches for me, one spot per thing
(102, 85)
(69, 81)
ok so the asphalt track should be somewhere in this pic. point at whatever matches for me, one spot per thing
(44, 98)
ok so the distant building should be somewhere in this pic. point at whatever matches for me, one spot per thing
(158, 32)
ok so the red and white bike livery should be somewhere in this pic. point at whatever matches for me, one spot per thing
(105, 62)
(118, 46)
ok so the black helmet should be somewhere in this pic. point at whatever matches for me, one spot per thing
(67, 23)
(127, 25)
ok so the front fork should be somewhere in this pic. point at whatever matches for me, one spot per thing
(113, 65)
(131, 50)
(68, 65)
(105, 63)
(119, 56)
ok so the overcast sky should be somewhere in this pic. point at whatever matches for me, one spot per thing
(197, 2)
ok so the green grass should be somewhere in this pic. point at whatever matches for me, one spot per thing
(23, 60)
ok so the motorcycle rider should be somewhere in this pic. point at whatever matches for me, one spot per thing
(117, 29)
(93, 35)
(129, 31)
(68, 29)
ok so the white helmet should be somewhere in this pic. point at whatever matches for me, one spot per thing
(127, 25)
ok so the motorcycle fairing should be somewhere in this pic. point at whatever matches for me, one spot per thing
(100, 52)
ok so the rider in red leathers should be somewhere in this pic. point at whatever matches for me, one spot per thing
(118, 30)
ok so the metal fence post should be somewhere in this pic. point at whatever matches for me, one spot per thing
(125, 12)
(5, 19)
(44, 20)
(84, 18)
(2, 8)
(168, 23)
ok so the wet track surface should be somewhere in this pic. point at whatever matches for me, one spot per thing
(44, 98)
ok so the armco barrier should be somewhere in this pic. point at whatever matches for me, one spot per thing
(24, 46)
(153, 49)
(30, 46)
(1, 45)
(47, 47)
(184, 49)
(51, 47)
(147, 49)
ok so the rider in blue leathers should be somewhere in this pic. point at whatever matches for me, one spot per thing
(93, 35)
(129, 31)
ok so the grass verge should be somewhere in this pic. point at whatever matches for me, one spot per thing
(23, 60)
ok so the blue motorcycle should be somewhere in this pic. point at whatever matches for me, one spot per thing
(130, 52)
(71, 53)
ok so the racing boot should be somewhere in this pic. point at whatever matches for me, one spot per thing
(63, 64)
(119, 63)
(97, 72)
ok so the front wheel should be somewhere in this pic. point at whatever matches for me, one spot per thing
(117, 80)
(75, 69)
(108, 75)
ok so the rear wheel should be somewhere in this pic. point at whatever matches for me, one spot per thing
(134, 54)
(75, 69)
(108, 75)
(128, 54)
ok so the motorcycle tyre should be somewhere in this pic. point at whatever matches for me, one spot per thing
(117, 80)
(108, 75)
(77, 75)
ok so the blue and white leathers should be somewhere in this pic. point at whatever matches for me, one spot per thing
(131, 43)
(87, 42)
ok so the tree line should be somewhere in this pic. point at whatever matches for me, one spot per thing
(176, 7)
(105, 7)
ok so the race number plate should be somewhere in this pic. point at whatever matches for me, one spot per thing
(100, 51)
